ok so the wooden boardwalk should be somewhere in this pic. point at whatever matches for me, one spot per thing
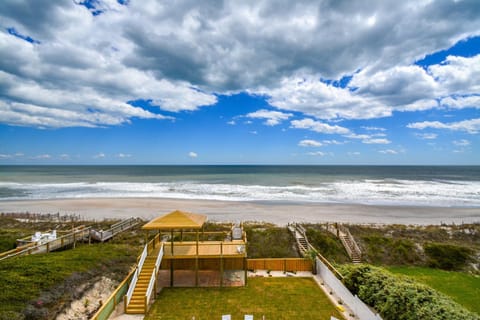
(115, 229)
(81, 233)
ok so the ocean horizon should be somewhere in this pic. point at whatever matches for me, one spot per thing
(450, 186)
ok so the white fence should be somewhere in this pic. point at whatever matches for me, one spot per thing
(359, 308)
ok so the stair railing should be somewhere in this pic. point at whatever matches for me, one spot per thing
(353, 247)
(133, 283)
(153, 278)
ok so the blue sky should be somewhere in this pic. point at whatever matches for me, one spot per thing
(251, 82)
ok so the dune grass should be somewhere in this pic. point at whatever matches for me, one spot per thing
(461, 287)
(40, 285)
(274, 298)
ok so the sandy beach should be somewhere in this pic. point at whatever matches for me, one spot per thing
(278, 213)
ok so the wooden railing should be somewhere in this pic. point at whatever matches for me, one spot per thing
(299, 228)
(280, 264)
(356, 250)
(153, 278)
(80, 233)
(115, 298)
(115, 229)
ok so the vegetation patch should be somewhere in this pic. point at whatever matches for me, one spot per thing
(40, 286)
(274, 298)
(462, 287)
(400, 297)
(268, 241)
(448, 256)
(327, 244)
(451, 247)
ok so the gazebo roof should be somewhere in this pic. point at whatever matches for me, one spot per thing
(176, 220)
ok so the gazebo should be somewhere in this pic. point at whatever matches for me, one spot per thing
(195, 253)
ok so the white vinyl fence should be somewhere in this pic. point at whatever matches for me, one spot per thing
(359, 308)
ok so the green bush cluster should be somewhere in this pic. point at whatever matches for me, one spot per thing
(271, 242)
(328, 245)
(448, 256)
(388, 251)
(399, 297)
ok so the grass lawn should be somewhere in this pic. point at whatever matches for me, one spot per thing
(276, 298)
(461, 287)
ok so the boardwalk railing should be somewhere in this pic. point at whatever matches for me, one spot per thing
(115, 229)
(79, 234)
(352, 247)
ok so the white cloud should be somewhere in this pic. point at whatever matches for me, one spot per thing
(333, 142)
(309, 143)
(100, 155)
(123, 155)
(457, 102)
(369, 139)
(42, 157)
(471, 126)
(318, 126)
(65, 156)
(192, 154)
(86, 68)
(10, 156)
(376, 141)
(232, 122)
(388, 151)
(307, 94)
(273, 118)
(317, 153)
(374, 128)
(461, 143)
(427, 136)
(354, 153)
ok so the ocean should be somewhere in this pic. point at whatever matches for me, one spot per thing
(450, 186)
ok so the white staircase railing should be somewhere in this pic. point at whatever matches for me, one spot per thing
(133, 283)
(153, 278)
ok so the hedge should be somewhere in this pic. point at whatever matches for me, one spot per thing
(399, 297)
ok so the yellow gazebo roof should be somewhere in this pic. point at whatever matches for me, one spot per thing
(176, 220)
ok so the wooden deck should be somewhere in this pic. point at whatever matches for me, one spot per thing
(206, 249)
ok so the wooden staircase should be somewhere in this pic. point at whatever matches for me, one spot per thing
(354, 254)
(137, 303)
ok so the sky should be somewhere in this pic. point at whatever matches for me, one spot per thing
(240, 82)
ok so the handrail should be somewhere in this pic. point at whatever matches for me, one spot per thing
(153, 277)
(151, 285)
(113, 298)
(131, 287)
(302, 230)
(48, 244)
(142, 258)
(133, 283)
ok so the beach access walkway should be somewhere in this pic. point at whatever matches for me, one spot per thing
(105, 235)
(340, 231)
(69, 239)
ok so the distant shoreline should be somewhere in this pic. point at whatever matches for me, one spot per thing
(267, 211)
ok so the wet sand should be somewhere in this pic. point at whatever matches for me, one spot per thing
(278, 213)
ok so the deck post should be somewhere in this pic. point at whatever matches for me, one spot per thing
(221, 270)
(196, 263)
(172, 269)
(245, 269)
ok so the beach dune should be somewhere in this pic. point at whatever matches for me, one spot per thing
(222, 211)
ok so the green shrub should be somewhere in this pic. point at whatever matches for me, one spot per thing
(328, 245)
(447, 256)
(399, 297)
(272, 242)
(388, 251)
